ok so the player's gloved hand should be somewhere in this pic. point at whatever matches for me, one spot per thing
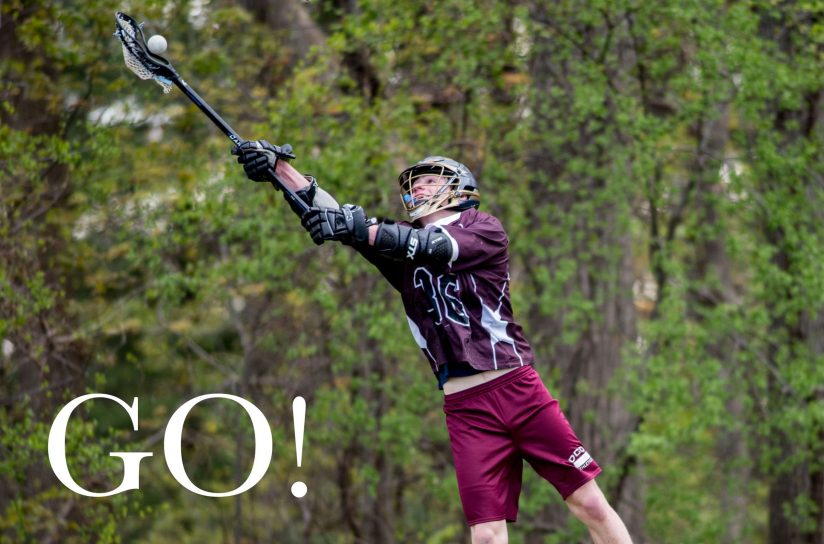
(259, 158)
(347, 224)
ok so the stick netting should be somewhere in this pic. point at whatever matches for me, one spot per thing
(131, 36)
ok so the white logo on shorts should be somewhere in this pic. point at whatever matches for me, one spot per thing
(580, 458)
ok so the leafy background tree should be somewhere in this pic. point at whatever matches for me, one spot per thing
(657, 166)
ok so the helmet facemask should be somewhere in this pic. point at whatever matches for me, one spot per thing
(443, 186)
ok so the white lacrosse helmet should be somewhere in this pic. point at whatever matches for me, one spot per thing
(456, 187)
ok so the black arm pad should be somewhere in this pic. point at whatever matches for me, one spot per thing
(403, 243)
(306, 194)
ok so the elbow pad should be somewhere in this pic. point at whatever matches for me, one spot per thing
(312, 195)
(306, 194)
(425, 246)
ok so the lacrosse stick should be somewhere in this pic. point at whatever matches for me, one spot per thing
(147, 65)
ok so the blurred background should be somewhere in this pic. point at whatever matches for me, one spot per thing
(657, 165)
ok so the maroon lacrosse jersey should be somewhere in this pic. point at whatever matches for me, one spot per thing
(462, 314)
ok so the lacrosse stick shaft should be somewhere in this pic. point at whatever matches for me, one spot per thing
(232, 135)
(207, 109)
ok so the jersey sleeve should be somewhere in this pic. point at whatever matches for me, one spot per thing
(391, 270)
(482, 242)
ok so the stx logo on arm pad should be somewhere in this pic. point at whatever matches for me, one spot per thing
(413, 245)
(404, 243)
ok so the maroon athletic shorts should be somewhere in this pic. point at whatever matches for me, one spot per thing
(494, 426)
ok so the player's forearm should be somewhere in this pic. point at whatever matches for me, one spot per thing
(296, 181)
(290, 176)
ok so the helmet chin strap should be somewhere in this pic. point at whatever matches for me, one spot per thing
(466, 204)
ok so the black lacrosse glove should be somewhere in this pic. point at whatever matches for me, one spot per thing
(347, 224)
(259, 158)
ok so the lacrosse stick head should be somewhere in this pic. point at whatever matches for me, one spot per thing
(141, 61)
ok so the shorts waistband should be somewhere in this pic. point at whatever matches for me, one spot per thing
(485, 387)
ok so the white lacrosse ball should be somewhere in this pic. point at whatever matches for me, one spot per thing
(157, 44)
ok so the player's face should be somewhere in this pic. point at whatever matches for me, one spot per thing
(426, 186)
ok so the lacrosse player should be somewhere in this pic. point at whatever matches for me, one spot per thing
(451, 266)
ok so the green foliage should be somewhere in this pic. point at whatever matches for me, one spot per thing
(55, 510)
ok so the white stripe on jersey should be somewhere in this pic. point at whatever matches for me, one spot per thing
(493, 324)
(419, 339)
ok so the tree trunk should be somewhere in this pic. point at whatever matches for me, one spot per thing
(796, 329)
(712, 285)
(292, 19)
(595, 239)
(43, 363)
